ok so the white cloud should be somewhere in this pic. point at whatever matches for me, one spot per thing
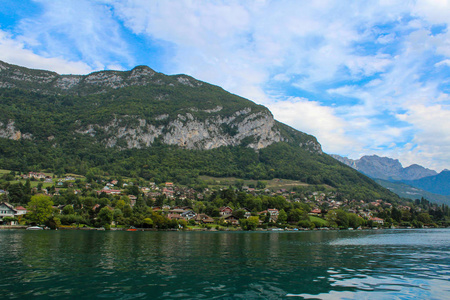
(431, 143)
(76, 30)
(383, 59)
(433, 11)
(445, 62)
(14, 52)
(313, 118)
(386, 38)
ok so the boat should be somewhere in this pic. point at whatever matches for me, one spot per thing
(131, 229)
(35, 228)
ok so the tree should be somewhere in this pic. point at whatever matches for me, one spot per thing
(147, 222)
(105, 215)
(295, 215)
(424, 218)
(239, 214)
(396, 214)
(342, 218)
(8, 220)
(39, 209)
(354, 221)
(68, 210)
(253, 222)
(16, 193)
(249, 224)
(27, 187)
(282, 217)
(261, 184)
(239, 184)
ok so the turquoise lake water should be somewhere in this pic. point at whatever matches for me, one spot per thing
(373, 264)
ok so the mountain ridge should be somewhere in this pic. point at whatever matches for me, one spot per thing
(438, 184)
(386, 168)
(190, 127)
(157, 127)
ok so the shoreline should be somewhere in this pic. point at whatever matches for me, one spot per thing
(23, 227)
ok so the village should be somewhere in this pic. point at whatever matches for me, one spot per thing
(119, 204)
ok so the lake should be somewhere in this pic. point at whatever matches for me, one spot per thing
(372, 264)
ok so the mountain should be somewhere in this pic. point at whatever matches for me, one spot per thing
(438, 184)
(142, 123)
(386, 168)
(412, 182)
(407, 191)
(134, 109)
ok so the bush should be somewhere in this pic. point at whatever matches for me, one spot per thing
(305, 224)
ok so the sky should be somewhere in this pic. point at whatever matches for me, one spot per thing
(364, 77)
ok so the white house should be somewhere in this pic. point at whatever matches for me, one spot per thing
(7, 210)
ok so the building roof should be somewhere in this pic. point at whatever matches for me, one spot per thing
(8, 206)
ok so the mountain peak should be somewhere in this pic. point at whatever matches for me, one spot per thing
(386, 168)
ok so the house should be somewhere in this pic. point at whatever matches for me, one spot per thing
(273, 212)
(177, 211)
(7, 210)
(231, 219)
(377, 220)
(203, 218)
(190, 214)
(133, 199)
(315, 212)
(168, 192)
(109, 192)
(35, 175)
(225, 210)
(172, 216)
(21, 210)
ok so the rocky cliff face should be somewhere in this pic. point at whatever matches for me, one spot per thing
(188, 132)
(164, 111)
(385, 168)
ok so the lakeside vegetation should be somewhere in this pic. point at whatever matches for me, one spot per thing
(74, 202)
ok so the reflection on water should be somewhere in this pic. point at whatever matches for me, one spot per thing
(312, 265)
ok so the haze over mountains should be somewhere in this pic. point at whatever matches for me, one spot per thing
(386, 168)
(412, 182)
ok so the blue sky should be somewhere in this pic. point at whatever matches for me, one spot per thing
(364, 77)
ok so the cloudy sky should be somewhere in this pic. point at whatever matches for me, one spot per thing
(364, 77)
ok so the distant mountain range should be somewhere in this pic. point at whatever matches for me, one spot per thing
(438, 184)
(411, 182)
(408, 191)
(386, 168)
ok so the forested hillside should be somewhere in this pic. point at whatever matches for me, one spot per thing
(144, 124)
